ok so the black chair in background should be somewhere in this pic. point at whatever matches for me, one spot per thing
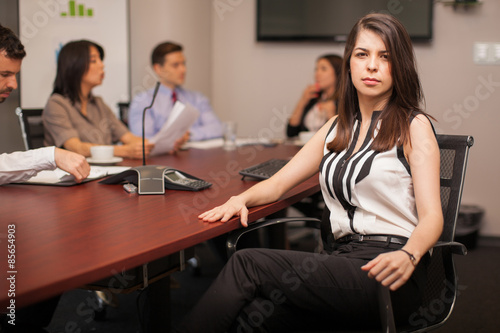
(441, 289)
(123, 112)
(32, 129)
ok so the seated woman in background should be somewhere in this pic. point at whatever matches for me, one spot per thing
(74, 118)
(319, 100)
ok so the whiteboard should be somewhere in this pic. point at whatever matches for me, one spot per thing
(46, 25)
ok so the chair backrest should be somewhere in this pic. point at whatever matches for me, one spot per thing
(32, 129)
(454, 151)
(442, 286)
(123, 110)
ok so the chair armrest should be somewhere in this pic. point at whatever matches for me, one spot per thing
(384, 295)
(234, 236)
(455, 247)
(385, 309)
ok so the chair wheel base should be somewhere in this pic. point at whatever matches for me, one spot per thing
(100, 314)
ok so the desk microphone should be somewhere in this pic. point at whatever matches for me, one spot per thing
(150, 178)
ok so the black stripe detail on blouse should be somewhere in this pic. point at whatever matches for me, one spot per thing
(327, 171)
(400, 149)
(402, 159)
(332, 127)
(325, 158)
(339, 173)
(365, 169)
(349, 162)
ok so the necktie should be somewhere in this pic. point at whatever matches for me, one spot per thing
(174, 97)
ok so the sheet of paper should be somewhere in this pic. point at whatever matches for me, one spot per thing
(205, 144)
(180, 120)
(108, 170)
(219, 142)
(240, 142)
(60, 176)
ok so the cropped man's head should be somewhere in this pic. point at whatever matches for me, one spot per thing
(11, 55)
(169, 64)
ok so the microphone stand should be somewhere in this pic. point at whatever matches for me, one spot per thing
(150, 178)
(144, 121)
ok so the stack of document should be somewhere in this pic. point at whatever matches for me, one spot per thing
(178, 123)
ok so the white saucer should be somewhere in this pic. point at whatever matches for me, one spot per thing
(113, 160)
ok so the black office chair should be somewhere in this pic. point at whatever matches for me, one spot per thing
(441, 289)
(32, 129)
(123, 111)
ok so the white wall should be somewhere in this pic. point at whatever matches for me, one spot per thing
(256, 83)
(187, 22)
(253, 82)
(452, 82)
(44, 32)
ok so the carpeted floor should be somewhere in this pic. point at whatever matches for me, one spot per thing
(477, 308)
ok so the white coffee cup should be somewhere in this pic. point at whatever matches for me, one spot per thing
(102, 153)
(305, 136)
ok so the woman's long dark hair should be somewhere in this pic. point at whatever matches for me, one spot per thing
(72, 63)
(406, 95)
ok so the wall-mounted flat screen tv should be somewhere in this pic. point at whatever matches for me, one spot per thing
(331, 20)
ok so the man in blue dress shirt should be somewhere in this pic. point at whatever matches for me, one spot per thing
(169, 64)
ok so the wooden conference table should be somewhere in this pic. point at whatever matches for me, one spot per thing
(66, 237)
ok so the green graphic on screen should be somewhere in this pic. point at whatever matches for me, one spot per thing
(75, 9)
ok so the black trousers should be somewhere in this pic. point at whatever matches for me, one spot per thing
(262, 290)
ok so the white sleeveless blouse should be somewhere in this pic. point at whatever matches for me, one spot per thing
(369, 193)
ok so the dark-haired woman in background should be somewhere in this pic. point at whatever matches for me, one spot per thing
(318, 102)
(74, 118)
(379, 175)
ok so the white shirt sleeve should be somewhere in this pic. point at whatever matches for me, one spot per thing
(20, 166)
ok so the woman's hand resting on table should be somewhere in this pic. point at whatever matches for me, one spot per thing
(235, 206)
(391, 269)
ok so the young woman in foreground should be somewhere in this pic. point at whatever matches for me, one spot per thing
(379, 174)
